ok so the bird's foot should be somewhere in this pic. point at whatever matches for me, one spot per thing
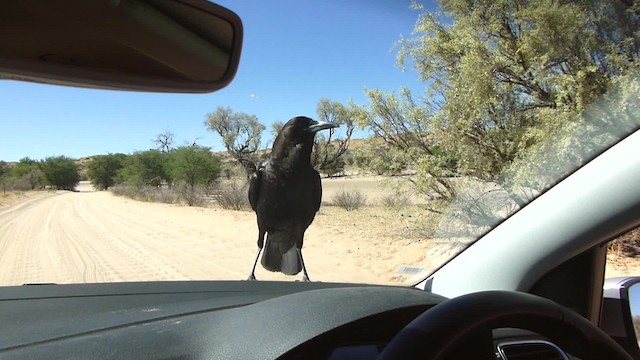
(305, 278)
(252, 278)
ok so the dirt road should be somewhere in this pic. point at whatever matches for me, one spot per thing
(66, 237)
(86, 236)
(69, 237)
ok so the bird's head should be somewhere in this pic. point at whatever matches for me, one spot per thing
(298, 132)
(302, 129)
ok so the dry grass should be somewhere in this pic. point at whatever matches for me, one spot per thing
(373, 187)
(349, 200)
(376, 222)
(396, 201)
(232, 195)
(147, 193)
(13, 197)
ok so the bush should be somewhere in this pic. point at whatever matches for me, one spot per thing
(163, 195)
(61, 172)
(192, 195)
(394, 201)
(350, 200)
(102, 170)
(146, 193)
(18, 185)
(233, 195)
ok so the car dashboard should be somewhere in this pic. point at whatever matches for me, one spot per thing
(215, 320)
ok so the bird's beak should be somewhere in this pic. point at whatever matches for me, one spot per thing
(321, 125)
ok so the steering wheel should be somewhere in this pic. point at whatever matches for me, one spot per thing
(443, 328)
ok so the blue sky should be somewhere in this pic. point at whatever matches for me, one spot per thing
(294, 53)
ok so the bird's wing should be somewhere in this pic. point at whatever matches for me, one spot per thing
(317, 191)
(254, 187)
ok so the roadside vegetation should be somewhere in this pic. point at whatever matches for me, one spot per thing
(55, 172)
(183, 174)
(350, 200)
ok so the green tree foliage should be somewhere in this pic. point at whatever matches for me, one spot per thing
(27, 171)
(61, 172)
(380, 158)
(24, 166)
(148, 167)
(240, 133)
(4, 171)
(502, 77)
(194, 165)
(194, 168)
(329, 147)
(103, 169)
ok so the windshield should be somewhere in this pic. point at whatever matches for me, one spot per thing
(430, 124)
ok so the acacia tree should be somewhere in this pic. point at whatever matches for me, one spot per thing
(103, 170)
(27, 171)
(408, 138)
(241, 134)
(501, 77)
(379, 158)
(164, 141)
(193, 168)
(148, 167)
(61, 172)
(328, 150)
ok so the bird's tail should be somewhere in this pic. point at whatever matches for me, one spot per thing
(276, 258)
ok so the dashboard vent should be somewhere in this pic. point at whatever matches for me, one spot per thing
(530, 350)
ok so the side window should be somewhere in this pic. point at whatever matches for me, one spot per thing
(623, 255)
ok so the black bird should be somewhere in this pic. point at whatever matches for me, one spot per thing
(285, 192)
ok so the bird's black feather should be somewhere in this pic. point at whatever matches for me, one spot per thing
(285, 192)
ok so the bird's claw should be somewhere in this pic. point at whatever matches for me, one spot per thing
(305, 278)
(252, 278)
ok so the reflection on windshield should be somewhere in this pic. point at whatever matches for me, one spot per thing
(481, 205)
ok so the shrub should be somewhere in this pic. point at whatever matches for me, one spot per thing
(146, 193)
(233, 195)
(102, 170)
(18, 185)
(394, 201)
(163, 195)
(61, 172)
(350, 200)
(192, 195)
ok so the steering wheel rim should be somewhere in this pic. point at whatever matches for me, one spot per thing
(438, 330)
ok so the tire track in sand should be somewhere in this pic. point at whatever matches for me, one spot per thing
(97, 237)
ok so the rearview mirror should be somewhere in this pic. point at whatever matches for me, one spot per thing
(190, 46)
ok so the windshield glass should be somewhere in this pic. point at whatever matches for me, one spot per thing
(443, 120)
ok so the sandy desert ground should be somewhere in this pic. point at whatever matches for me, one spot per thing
(87, 236)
